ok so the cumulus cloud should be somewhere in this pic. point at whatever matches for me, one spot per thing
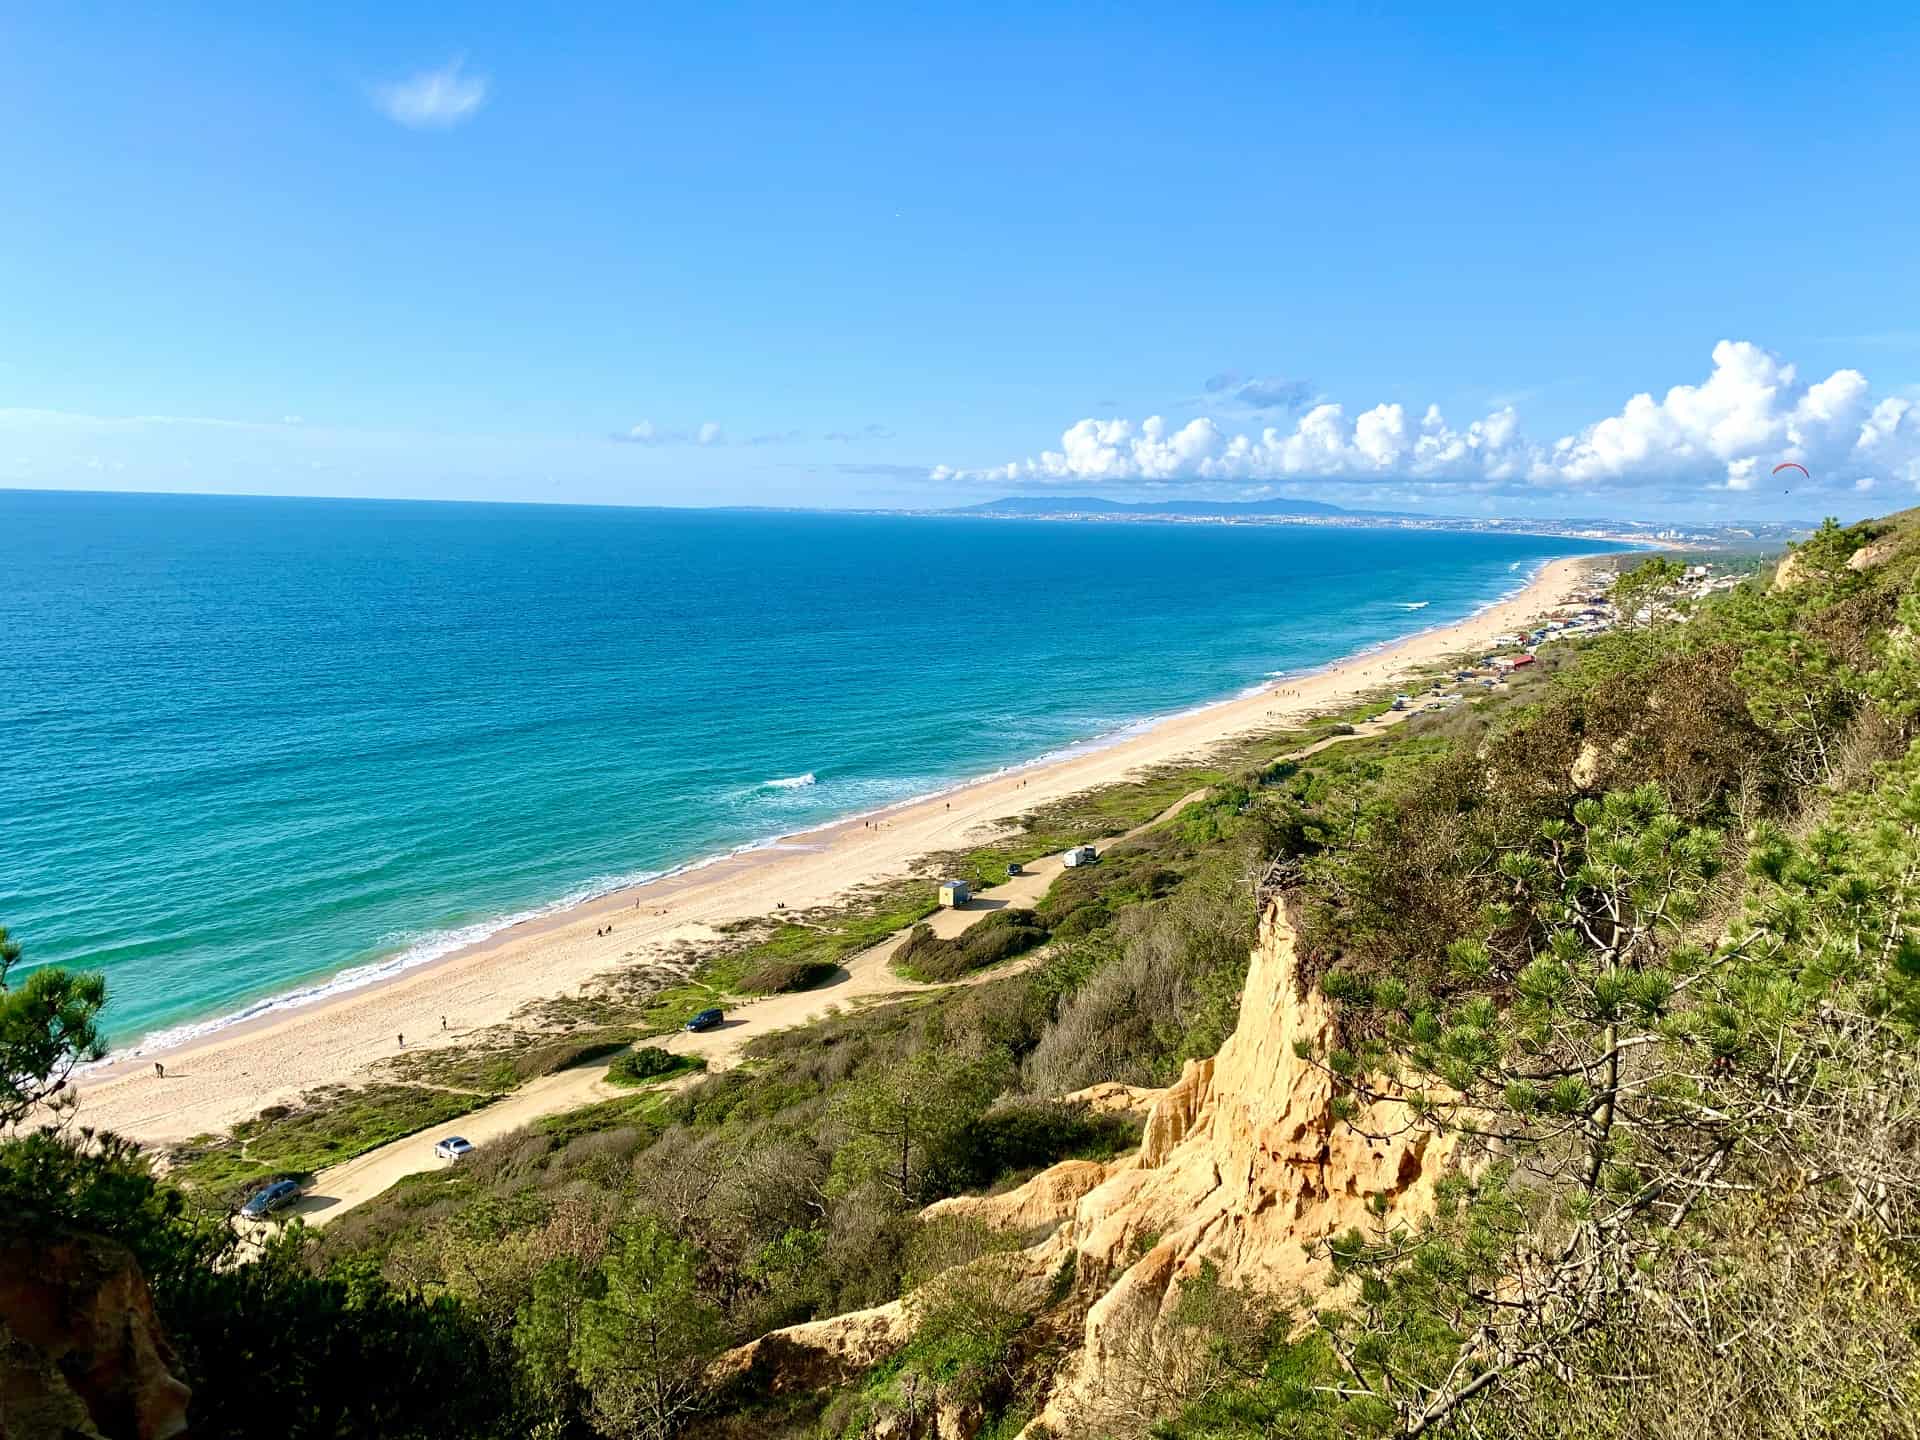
(1727, 432)
(433, 99)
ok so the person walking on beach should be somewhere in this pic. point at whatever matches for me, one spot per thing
(443, 1022)
(400, 1040)
(159, 1070)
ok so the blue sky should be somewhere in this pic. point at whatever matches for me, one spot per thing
(874, 256)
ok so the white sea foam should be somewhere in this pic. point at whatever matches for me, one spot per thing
(790, 782)
(1413, 604)
(413, 952)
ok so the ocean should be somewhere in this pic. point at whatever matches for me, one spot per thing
(254, 750)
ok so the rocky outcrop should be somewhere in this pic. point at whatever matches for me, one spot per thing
(1112, 1098)
(1792, 571)
(1241, 1168)
(1874, 554)
(1042, 1203)
(82, 1356)
(817, 1354)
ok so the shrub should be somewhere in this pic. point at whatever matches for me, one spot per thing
(566, 1054)
(1023, 1135)
(650, 1062)
(778, 977)
(1000, 936)
(1083, 921)
(1171, 991)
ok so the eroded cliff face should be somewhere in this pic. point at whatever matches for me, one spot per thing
(81, 1351)
(1242, 1166)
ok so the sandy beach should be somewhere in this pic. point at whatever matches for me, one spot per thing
(231, 1075)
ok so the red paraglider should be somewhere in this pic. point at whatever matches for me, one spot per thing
(1791, 465)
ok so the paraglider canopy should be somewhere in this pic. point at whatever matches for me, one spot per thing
(1791, 465)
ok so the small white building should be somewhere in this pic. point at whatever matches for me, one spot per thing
(1079, 855)
(955, 893)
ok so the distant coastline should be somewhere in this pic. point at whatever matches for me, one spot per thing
(1094, 510)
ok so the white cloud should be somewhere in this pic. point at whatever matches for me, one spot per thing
(648, 433)
(1751, 412)
(433, 99)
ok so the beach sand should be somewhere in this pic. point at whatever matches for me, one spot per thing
(231, 1075)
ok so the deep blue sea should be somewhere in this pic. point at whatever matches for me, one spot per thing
(247, 744)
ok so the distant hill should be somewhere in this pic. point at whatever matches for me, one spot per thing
(1093, 505)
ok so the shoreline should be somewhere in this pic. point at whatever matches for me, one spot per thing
(231, 1069)
(433, 949)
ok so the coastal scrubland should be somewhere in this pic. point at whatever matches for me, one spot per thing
(1635, 942)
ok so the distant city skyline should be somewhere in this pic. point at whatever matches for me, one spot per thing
(1615, 264)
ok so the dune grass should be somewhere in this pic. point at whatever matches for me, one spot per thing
(334, 1125)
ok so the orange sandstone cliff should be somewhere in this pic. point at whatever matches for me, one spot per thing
(1242, 1166)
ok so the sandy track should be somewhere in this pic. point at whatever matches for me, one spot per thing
(865, 977)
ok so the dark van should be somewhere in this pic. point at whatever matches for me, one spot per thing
(275, 1197)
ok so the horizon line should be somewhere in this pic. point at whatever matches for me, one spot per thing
(1335, 511)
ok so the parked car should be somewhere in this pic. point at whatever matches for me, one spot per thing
(276, 1196)
(1079, 855)
(707, 1020)
(1014, 868)
(453, 1148)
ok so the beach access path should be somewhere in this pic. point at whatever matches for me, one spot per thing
(220, 1079)
(866, 977)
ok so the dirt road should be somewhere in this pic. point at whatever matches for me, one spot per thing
(865, 977)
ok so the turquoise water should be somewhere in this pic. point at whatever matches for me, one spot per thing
(247, 745)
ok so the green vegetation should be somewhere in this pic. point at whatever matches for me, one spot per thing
(221, 1171)
(507, 1058)
(999, 936)
(1648, 951)
(649, 1064)
(47, 1026)
(268, 1345)
(1640, 935)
